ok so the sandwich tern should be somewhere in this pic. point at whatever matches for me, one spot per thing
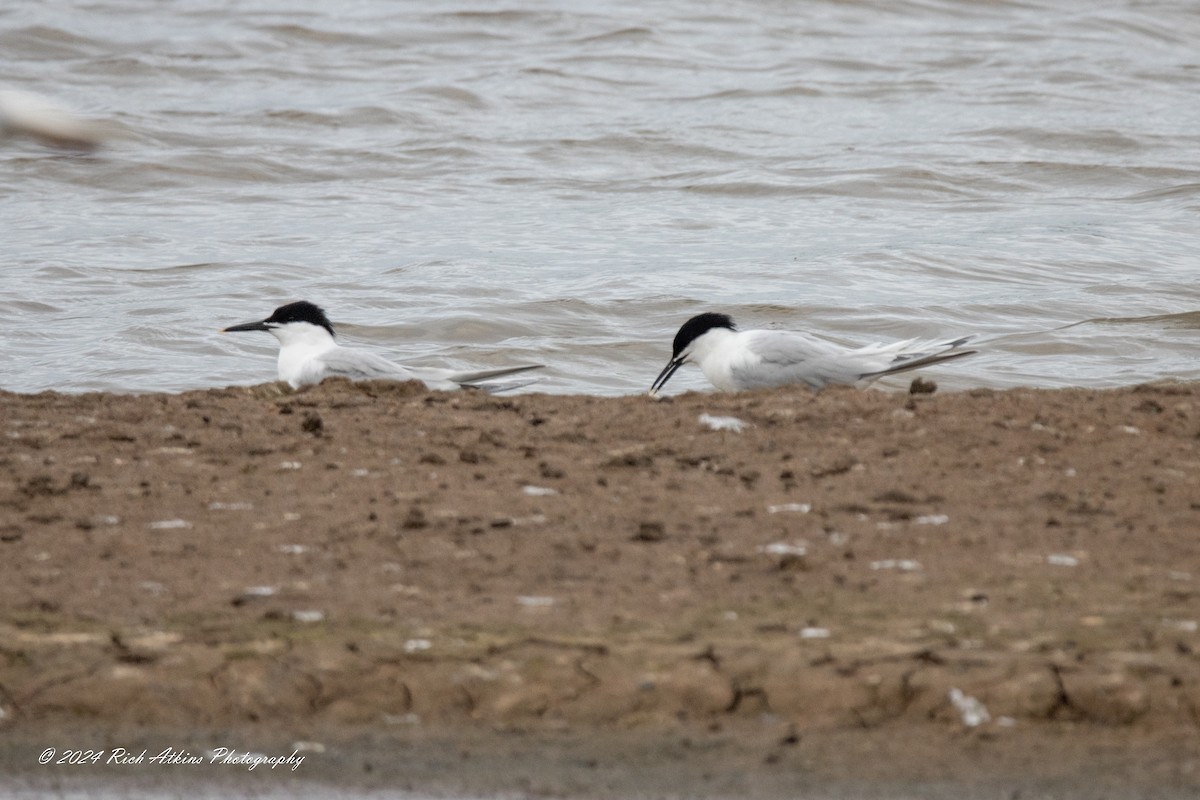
(309, 354)
(734, 360)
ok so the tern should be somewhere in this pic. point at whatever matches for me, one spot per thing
(309, 354)
(734, 360)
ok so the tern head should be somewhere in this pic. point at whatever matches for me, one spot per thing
(286, 322)
(685, 343)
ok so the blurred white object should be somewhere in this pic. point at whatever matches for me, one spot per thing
(973, 712)
(37, 117)
(722, 423)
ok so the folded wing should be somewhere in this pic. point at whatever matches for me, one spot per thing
(778, 358)
(364, 365)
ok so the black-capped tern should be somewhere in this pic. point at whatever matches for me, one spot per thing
(309, 354)
(734, 360)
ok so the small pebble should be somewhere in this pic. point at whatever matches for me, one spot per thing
(902, 564)
(169, 524)
(531, 601)
(722, 423)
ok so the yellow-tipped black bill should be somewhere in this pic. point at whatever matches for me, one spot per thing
(665, 376)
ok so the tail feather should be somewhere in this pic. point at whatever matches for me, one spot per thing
(959, 342)
(496, 387)
(477, 377)
(906, 361)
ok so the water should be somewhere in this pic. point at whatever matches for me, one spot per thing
(476, 183)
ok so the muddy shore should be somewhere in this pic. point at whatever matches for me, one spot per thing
(995, 589)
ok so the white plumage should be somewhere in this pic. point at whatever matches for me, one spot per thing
(308, 354)
(734, 360)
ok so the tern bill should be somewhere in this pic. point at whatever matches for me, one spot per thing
(308, 354)
(734, 360)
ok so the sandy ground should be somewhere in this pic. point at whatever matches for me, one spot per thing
(990, 594)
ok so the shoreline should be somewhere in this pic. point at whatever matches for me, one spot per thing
(976, 572)
(1064, 761)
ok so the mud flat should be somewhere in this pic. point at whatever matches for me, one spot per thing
(709, 595)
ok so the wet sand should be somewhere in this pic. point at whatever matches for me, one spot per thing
(857, 591)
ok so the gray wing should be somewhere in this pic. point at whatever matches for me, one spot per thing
(914, 354)
(364, 365)
(779, 358)
(484, 379)
(360, 365)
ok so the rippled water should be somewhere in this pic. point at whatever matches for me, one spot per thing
(480, 183)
